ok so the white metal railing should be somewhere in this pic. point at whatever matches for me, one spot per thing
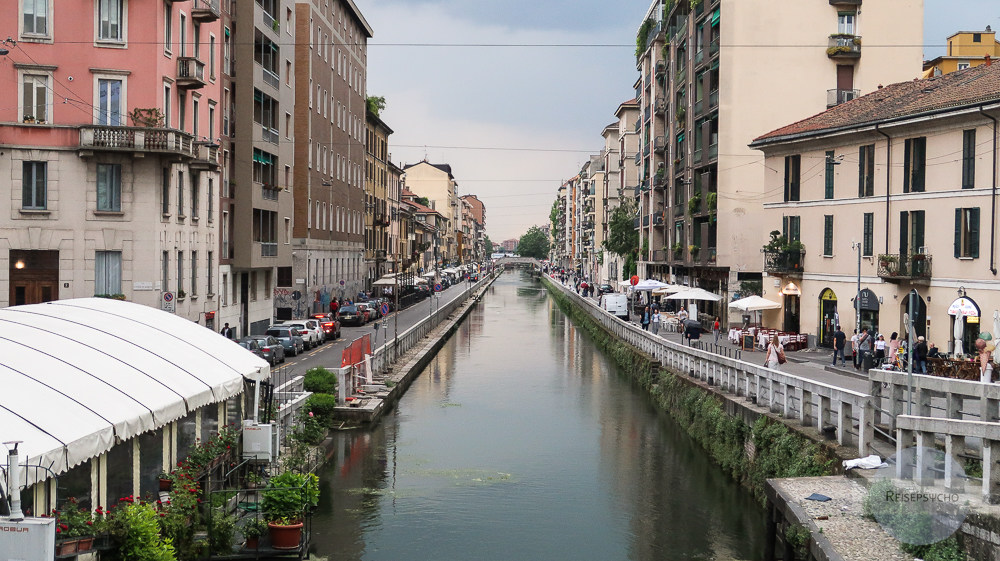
(933, 396)
(922, 433)
(812, 403)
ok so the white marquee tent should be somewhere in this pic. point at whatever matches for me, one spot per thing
(81, 375)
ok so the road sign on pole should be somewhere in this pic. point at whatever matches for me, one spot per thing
(167, 303)
(385, 309)
(437, 287)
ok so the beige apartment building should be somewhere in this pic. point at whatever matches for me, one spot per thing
(438, 185)
(890, 193)
(328, 227)
(378, 217)
(718, 73)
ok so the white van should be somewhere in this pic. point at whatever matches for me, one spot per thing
(616, 305)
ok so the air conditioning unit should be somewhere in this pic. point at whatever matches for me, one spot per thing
(31, 539)
(258, 441)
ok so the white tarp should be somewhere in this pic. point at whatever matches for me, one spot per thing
(79, 375)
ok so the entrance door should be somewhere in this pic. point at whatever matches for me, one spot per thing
(34, 277)
(791, 322)
(828, 318)
(919, 316)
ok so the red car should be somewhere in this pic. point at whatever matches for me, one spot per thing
(330, 325)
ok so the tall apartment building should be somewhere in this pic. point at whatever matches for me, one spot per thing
(714, 76)
(328, 225)
(966, 49)
(438, 185)
(891, 194)
(108, 141)
(378, 214)
(478, 212)
(257, 137)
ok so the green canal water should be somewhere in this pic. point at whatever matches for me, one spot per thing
(521, 441)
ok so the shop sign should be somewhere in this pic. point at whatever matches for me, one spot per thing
(791, 289)
(867, 300)
(963, 307)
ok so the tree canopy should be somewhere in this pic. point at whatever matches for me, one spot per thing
(375, 104)
(534, 243)
(623, 238)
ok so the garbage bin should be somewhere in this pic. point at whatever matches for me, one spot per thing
(866, 361)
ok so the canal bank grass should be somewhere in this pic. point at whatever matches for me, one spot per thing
(751, 454)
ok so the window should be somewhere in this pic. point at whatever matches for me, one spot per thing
(168, 27)
(108, 272)
(224, 288)
(828, 234)
(963, 66)
(867, 246)
(791, 228)
(914, 155)
(969, 159)
(36, 99)
(33, 185)
(110, 20)
(211, 57)
(866, 171)
(166, 105)
(210, 262)
(845, 23)
(194, 196)
(194, 273)
(792, 166)
(194, 116)
(211, 198)
(828, 177)
(977, 37)
(967, 232)
(180, 193)
(109, 187)
(180, 273)
(165, 271)
(182, 38)
(35, 14)
(911, 232)
(109, 102)
(211, 121)
(165, 192)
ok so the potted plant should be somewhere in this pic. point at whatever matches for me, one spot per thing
(885, 260)
(252, 531)
(165, 481)
(678, 248)
(693, 250)
(253, 480)
(29, 119)
(287, 497)
(74, 527)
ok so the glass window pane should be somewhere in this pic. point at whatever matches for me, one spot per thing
(150, 461)
(119, 461)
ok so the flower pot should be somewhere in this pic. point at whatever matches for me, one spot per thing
(67, 547)
(165, 484)
(252, 542)
(86, 544)
(285, 536)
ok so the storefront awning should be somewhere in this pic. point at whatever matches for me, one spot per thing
(79, 376)
(964, 307)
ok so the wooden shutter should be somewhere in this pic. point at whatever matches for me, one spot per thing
(918, 232)
(862, 161)
(828, 234)
(906, 165)
(828, 193)
(904, 235)
(919, 154)
(974, 232)
(958, 232)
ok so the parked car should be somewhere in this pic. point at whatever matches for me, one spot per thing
(252, 346)
(376, 308)
(289, 338)
(330, 325)
(365, 310)
(274, 351)
(350, 315)
(605, 289)
(310, 330)
(474, 277)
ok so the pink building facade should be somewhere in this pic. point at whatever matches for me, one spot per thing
(112, 152)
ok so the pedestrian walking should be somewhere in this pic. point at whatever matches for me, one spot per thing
(227, 331)
(920, 353)
(892, 347)
(645, 318)
(655, 321)
(864, 349)
(717, 328)
(775, 356)
(880, 349)
(854, 348)
(839, 342)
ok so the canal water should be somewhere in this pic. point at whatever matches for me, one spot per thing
(522, 441)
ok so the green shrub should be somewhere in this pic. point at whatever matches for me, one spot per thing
(322, 406)
(320, 380)
(135, 529)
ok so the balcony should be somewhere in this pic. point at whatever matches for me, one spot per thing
(659, 144)
(645, 221)
(267, 134)
(659, 256)
(784, 263)
(836, 97)
(206, 156)
(139, 140)
(269, 192)
(844, 46)
(660, 106)
(845, 2)
(661, 68)
(190, 73)
(268, 249)
(896, 268)
(638, 125)
(270, 78)
(713, 48)
(679, 80)
(638, 158)
(205, 10)
(713, 99)
(635, 223)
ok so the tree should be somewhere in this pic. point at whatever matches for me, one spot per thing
(375, 104)
(534, 243)
(554, 214)
(487, 245)
(623, 238)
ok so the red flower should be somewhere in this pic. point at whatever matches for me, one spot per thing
(58, 531)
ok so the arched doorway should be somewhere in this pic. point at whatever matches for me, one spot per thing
(828, 319)
(965, 327)
(919, 316)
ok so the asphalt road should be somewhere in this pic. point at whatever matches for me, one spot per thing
(329, 353)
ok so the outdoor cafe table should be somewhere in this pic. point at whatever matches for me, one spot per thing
(954, 368)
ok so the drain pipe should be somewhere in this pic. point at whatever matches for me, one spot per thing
(13, 476)
(993, 198)
(888, 168)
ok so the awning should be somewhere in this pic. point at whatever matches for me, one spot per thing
(715, 16)
(964, 307)
(80, 375)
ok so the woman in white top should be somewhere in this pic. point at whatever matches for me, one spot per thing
(774, 349)
(880, 349)
(654, 322)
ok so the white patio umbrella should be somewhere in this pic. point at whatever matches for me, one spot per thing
(669, 289)
(959, 331)
(695, 294)
(754, 303)
(996, 327)
(650, 284)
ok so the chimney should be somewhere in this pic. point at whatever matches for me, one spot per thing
(988, 60)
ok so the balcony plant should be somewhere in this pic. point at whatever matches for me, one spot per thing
(694, 203)
(693, 250)
(642, 35)
(885, 260)
(29, 119)
(181, 294)
(285, 501)
(678, 249)
(149, 117)
(681, 113)
(252, 531)
(711, 200)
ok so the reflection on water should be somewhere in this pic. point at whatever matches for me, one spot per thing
(521, 441)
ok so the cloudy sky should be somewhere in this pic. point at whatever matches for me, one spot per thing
(477, 84)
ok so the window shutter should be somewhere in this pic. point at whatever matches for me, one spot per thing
(904, 235)
(828, 235)
(918, 232)
(958, 232)
(788, 165)
(829, 174)
(974, 232)
(919, 158)
(906, 164)
(862, 161)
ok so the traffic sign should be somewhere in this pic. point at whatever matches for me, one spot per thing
(634, 280)
(384, 309)
(167, 303)
(341, 283)
(296, 295)
(437, 287)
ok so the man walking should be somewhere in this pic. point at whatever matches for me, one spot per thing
(864, 349)
(227, 331)
(839, 342)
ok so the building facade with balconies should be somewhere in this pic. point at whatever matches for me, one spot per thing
(438, 185)
(328, 224)
(718, 73)
(378, 214)
(478, 225)
(901, 198)
(108, 141)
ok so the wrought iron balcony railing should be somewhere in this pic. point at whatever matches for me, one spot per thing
(895, 267)
(784, 262)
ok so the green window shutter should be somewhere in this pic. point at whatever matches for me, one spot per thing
(829, 174)
(969, 159)
(795, 223)
(958, 232)
(906, 165)
(918, 232)
(869, 234)
(904, 232)
(861, 171)
(828, 234)
(974, 233)
(919, 158)
(715, 16)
